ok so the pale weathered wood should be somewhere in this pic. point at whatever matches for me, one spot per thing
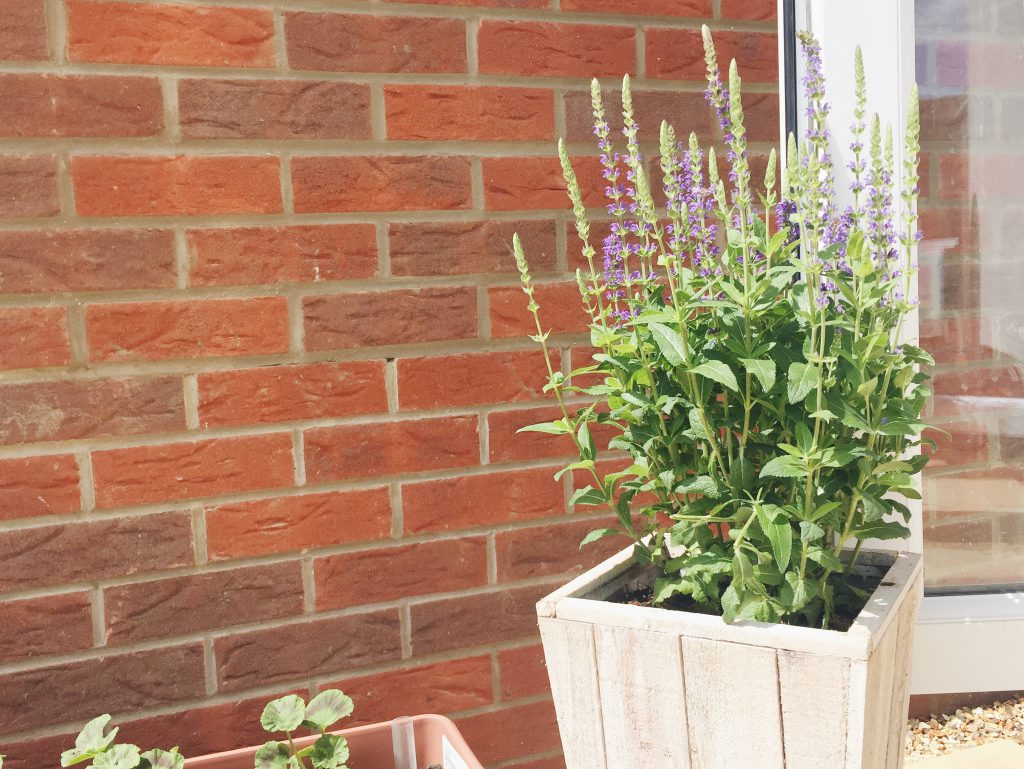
(732, 702)
(572, 669)
(858, 696)
(643, 699)
(901, 689)
(893, 590)
(877, 705)
(815, 693)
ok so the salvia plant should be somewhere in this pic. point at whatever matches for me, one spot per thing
(749, 357)
(96, 742)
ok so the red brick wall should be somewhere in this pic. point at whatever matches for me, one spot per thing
(263, 350)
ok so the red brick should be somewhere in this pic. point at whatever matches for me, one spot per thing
(979, 176)
(205, 328)
(308, 650)
(389, 574)
(484, 3)
(199, 602)
(752, 10)
(70, 410)
(290, 524)
(390, 448)
(444, 687)
(502, 735)
(476, 620)
(142, 33)
(508, 445)
(545, 49)
(56, 624)
(561, 310)
(955, 339)
(998, 382)
(523, 673)
(678, 54)
(468, 248)
(961, 443)
(288, 393)
(273, 109)
(51, 261)
(28, 184)
(403, 316)
(38, 486)
(536, 183)
(22, 30)
(959, 229)
(674, 8)
(191, 470)
(186, 185)
(35, 336)
(113, 684)
(226, 256)
(553, 762)
(455, 503)
(468, 113)
(80, 105)
(380, 183)
(82, 552)
(470, 379)
(540, 551)
(341, 42)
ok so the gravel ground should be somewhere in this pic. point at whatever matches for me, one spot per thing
(965, 728)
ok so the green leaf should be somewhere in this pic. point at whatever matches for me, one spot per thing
(810, 532)
(588, 495)
(330, 751)
(882, 530)
(702, 484)
(742, 569)
(775, 525)
(284, 714)
(796, 593)
(802, 378)
(117, 757)
(558, 427)
(670, 343)
(825, 558)
(719, 372)
(326, 708)
(272, 755)
(764, 370)
(783, 467)
(164, 759)
(91, 741)
(586, 441)
(597, 534)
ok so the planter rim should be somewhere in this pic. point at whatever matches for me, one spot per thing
(584, 600)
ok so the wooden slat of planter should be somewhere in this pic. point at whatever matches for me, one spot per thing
(878, 705)
(815, 703)
(901, 695)
(642, 699)
(572, 668)
(741, 681)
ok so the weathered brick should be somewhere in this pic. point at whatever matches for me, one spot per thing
(753, 10)
(92, 550)
(506, 444)
(522, 672)
(456, 503)
(561, 310)
(307, 650)
(35, 337)
(186, 35)
(22, 30)
(38, 486)
(113, 684)
(387, 574)
(70, 410)
(484, 3)
(290, 524)
(389, 448)
(368, 43)
(28, 185)
(464, 380)
(197, 602)
(475, 620)
(85, 260)
(468, 113)
(468, 248)
(956, 339)
(501, 735)
(201, 328)
(443, 687)
(992, 381)
(960, 443)
(403, 316)
(54, 624)
(287, 393)
(551, 549)
(273, 109)
(536, 183)
(300, 253)
(675, 8)
(547, 49)
(678, 54)
(380, 183)
(192, 470)
(80, 105)
(185, 185)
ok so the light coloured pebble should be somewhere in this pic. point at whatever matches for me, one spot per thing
(965, 728)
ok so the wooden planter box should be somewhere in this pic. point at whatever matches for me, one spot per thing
(644, 688)
(370, 747)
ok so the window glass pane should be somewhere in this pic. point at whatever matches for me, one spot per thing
(970, 68)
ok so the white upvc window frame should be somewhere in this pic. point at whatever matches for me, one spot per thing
(968, 642)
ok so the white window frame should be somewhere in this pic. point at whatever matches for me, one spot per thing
(968, 642)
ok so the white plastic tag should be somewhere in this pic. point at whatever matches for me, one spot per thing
(450, 756)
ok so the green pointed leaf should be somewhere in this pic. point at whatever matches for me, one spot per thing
(558, 427)
(330, 751)
(670, 343)
(882, 530)
(588, 495)
(272, 755)
(326, 708)
(764, 370)
(92, 740)
(783, 467)
(597, 534)
(775, 525)
(802, 378)
(117, 757)
(164, 759)
(718, 372)
(284, 714)
(702, 484)
(796, 593)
